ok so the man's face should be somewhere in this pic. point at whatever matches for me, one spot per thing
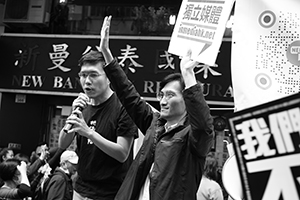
(93, 80)
(72, 168)
(42, 148)
(172, 106)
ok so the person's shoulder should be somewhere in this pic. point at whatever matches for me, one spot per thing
(58, 174)
(112, 103)
(115, 100)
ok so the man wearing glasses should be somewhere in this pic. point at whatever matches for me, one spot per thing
(104, 133)
(169, 164)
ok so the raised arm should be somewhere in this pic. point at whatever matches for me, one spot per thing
(104, 42)
(136, 107)
(187, 70)
(198, 111)
(24, 189)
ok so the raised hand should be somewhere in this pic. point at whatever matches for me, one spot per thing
(187, 66)
(23, 173)
(44, 152)
(22, 167)
(79, 124)
(104, 42)
(186, 63)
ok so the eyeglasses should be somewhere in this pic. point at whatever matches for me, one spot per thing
(92, 75)
(168, 95)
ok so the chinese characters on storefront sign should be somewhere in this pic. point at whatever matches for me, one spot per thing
(45, 64)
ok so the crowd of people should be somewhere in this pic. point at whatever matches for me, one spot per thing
(170, 164)
(24, 177)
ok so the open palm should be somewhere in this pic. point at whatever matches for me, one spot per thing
(186, 63)
(104, 42)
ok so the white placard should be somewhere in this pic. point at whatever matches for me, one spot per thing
(200, 27)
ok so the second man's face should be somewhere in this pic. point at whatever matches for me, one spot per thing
(172, 105)
(93, 80)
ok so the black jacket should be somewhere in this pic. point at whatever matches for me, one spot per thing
(60, 186)
(178, 155)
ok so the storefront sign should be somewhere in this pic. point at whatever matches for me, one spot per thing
(15, 146)
(48, 64)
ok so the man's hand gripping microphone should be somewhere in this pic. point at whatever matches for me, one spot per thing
(68, 126)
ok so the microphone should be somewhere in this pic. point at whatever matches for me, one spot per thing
(68, 126)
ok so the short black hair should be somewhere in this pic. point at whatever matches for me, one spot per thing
(172, 77)
(8, 169)
(3, 152)
(211, 167)
(92, 57)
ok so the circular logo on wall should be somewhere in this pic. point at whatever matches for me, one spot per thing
(267, 19)
(293, 53)
(263, 81)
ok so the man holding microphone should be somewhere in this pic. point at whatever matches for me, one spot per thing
(104, 133)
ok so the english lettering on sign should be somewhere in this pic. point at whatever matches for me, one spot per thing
(36, 81)
(216, 90)
(209, 89)
(27, 81)
(68, 83)
(151, 87)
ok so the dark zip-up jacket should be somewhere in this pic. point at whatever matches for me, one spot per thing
(178, 155)
(59, 187)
